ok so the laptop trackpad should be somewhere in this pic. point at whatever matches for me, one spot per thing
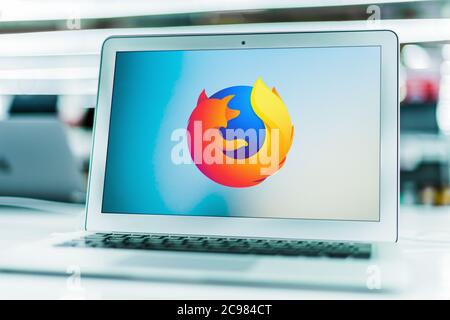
(185, 261)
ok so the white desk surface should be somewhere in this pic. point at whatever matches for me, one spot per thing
(429, 260)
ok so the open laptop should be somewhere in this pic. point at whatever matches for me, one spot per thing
(36, 161)
(243, 158)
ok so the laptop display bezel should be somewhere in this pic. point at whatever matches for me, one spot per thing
(383, 230)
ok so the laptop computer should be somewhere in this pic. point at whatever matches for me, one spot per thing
(36, 161)
(244, 158)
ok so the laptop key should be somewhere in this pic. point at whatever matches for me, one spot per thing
(362, 252)
(115, 241)
(135, 240)
(97, 236)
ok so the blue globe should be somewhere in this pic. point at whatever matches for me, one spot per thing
(247, 119)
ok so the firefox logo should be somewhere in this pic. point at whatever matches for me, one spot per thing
(240, 135)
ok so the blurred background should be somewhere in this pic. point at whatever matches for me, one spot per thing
(50, 54)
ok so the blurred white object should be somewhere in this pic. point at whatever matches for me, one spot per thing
(89, 42)
(443, 106)
(38, 63)
(416, 57)
(26, 10)
(41, 205)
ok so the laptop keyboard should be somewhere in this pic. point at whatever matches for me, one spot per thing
(223, 245)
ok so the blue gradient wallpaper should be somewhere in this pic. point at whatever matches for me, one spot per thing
(332, 168)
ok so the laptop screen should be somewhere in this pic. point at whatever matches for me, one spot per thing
(286, 133)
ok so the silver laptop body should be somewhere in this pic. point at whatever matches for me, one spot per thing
(337, 179)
